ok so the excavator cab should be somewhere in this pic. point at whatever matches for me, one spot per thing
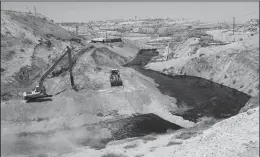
(115, 79)
(37, 89)
(35, 93)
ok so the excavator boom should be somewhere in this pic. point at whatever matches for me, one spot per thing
(66, 51)
(39, 91)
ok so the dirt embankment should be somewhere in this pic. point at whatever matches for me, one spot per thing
(234, 65)
(105, 57)
(142, 58)
(30, 43)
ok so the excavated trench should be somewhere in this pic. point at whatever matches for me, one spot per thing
(199, 97)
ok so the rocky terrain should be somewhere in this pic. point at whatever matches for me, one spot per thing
(145, 116)
(234, 64)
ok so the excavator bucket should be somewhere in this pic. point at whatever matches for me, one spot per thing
(115, 79)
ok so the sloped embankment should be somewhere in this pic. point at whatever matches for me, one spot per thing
(29, 44)
(196, 97)
(234, 65)
(105, 57)
(234, 137)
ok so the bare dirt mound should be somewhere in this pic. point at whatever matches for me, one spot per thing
(105, 57)
(30, 43)
(37, 24)
(124, 48)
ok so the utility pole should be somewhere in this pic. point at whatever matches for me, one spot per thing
(77, 29)
(34, 9)
(233, 25)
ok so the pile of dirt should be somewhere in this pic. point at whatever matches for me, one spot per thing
(106, 58)
(37, 24)
(30, 43)
(63, 66)
(126, 48)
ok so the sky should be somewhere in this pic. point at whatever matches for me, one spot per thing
(87, 11)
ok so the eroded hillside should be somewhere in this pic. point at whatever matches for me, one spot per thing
(234, 64)
(29, 44)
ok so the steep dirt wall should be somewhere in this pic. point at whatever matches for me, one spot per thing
(234, 65)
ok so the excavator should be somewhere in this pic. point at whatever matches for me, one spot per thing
(39, 91)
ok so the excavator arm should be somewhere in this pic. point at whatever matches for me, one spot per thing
(66, 51)
(39, 91)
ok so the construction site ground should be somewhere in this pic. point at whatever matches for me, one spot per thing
(152, 113)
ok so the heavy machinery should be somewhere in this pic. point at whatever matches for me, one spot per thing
(40, 91)
(115, 79)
